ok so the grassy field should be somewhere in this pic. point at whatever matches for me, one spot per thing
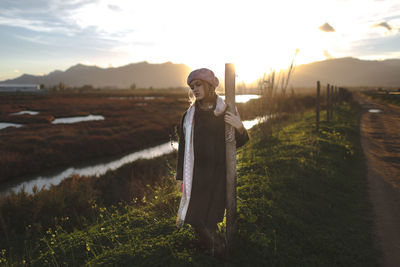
(302, 201)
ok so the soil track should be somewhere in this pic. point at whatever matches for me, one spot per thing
(380, 137)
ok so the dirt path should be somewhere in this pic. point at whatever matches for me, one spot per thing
(380, 137)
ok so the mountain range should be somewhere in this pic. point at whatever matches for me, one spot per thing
(338, 71)
(142, 74)
(349, 72)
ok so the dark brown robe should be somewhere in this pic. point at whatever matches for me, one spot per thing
(207, 202)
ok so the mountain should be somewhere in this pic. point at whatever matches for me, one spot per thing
(348, 72)
(142, 74)
(338, 71)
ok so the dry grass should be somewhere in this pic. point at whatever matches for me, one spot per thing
(132, 122)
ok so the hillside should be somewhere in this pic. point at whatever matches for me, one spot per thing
(142, 74)
(349, 72)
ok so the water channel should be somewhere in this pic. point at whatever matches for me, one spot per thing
(78, 119)
(4, 125)
(65, 120)
(29, 112)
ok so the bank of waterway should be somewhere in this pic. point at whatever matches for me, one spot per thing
(97, 168)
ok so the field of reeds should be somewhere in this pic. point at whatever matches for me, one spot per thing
(132, 121)
(302, 201)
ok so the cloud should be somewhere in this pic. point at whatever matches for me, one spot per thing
(326, 27)
(114, 8)
(377, 47)
(34, 25)
(327, 54)
(48, 16)
(383, 24)
(33, 39)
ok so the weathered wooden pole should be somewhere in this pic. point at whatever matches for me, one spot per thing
(327, 102)
(317, 106)
(335, 97)
(334, 100)
(338, 96)
(230, 157)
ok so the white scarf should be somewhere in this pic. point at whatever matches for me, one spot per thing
(188, 159)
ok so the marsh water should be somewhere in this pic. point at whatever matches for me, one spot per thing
(65, 120)
(92, 169)
(374, 110)
(78, 119)
(244, 98)
(4, 125)
(23, 112)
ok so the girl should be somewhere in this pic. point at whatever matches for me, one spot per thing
(202, 161)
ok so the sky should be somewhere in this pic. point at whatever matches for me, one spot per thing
(40, 36)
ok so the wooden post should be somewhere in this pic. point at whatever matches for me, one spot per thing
(327, 102)
(231, 222)
(332, 104)
(335, 97)
(338, 95)
(332, 108)
(317, 106)
(331, 97)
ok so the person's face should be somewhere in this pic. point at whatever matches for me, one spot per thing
(198, 89)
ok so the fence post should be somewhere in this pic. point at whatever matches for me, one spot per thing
(317, 106)
(333, 101)
(333, 98)
(336, 96)
(231, 222)
(327, 102)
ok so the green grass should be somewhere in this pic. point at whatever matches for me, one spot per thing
(305, 193)
(302, 201)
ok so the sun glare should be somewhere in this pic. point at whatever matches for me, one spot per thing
(257, 36)
(265, 37)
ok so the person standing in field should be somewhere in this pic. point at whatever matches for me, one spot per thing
(201, 168)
